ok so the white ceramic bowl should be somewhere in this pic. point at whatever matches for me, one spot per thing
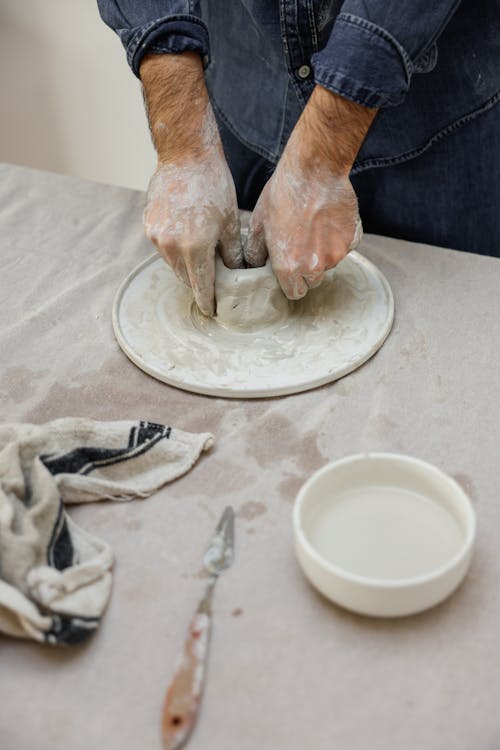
(383, 534)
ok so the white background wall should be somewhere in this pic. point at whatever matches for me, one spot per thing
(69, 102)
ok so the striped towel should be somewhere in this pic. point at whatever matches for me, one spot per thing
(55, 578)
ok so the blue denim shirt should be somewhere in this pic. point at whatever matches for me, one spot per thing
(429, 66)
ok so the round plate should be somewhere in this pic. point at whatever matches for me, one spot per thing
(330, 332)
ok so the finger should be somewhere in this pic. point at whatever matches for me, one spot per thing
(180, 270)
(314, 271)
(230, 243)
(358, 235)
(245, 217)
(294, 286)
(200, 266)
(314, 279)
(171, 254)
(255, 248)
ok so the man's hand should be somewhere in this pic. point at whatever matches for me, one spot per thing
(307, 217)
(191, 206)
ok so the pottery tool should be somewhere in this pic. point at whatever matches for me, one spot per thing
(183, 698)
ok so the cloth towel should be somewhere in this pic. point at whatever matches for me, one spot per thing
(55, 578)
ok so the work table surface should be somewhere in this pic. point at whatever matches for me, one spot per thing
(287, 668)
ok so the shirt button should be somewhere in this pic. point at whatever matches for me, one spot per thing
(304, 71)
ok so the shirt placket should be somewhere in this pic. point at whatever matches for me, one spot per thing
(299, 39)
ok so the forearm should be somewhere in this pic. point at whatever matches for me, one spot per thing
(330, 132)
(307, 216)
(176, 101)
(191, 207)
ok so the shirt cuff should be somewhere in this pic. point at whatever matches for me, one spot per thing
(364, 63)
(169, 35)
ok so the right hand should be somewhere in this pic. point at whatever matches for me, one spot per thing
(191, 206)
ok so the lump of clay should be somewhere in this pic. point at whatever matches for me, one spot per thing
(248, 299)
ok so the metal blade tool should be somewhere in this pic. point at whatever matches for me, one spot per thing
(184, 694)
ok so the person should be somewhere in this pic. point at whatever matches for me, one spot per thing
(312, 114)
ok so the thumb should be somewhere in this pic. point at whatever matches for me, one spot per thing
(230, 242)
(255, 248)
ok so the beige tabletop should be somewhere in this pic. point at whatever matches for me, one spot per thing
(287, 669)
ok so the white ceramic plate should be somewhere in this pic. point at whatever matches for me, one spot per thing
(329, 333)
(383, 534)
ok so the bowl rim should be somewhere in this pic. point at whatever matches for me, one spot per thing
(385, 583)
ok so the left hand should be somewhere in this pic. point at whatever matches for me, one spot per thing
(307, 216)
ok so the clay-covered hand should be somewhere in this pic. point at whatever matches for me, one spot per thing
(191, 209)
(307, 216)
(307, 220)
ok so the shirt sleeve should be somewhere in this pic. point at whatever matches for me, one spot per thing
(144, 28)
(375, 48)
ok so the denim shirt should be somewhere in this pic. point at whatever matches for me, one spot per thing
(429, 66)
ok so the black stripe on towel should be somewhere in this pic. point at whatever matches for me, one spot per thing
(68, 631)
(142, 438)
(60, 547)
